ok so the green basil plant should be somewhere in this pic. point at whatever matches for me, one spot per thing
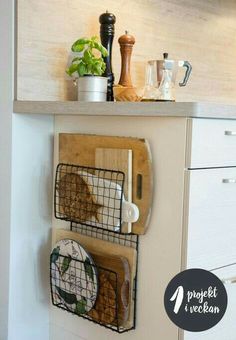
(88, 63)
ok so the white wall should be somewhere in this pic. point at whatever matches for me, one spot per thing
(31, 227)
(6, 32)
(25, 205)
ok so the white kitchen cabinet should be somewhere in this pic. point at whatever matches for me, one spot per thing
(160, 247)
(187, 204)
(209, 232)
(226, 328)
(211, 218)
(193, 216)
(212, 143)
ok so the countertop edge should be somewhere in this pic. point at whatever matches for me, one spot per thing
(156, 109)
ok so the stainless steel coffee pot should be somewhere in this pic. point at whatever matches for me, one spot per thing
(161, 78)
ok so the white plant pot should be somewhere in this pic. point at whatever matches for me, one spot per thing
(92, 89)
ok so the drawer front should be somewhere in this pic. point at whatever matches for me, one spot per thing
(211, 240)
(226, 328)
(213, 143)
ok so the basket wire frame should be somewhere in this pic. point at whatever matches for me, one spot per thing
(104, 229)
(128, 240)
(104, 311)
(89, 196)
(109, 310)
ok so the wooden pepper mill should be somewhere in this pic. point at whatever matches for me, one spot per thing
(126, 42)
(107, 32)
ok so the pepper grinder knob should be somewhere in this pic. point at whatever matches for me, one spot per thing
(107, 32)
(126, 42)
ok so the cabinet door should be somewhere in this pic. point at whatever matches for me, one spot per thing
(226, 328)
(211, 241)
(213, 143)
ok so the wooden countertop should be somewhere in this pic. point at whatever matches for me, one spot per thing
(158, 109)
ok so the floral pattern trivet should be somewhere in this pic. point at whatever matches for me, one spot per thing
(74, 278)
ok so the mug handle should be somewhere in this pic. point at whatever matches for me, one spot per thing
(187, 73)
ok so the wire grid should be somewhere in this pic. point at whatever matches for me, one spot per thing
(89, 196)
(128, 240)
(104, 311)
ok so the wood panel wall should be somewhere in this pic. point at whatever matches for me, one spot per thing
(201, 31)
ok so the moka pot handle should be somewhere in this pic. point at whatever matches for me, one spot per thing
(187, 73)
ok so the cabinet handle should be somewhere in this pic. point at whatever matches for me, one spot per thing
(230, 280)
(229, 180)
(230, 133)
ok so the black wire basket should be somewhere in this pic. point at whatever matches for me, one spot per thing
(127, 240)
(91, 200)
(105, 309)
(89, 196)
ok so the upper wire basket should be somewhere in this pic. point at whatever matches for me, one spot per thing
(89, 196)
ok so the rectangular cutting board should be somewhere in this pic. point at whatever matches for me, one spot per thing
(119, 265)
(80, 149)
(105, 248)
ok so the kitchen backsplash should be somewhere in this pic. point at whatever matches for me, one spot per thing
(202, 32)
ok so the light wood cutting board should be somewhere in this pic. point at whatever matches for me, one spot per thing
(120, 266)
(105, 248)
(80, 149)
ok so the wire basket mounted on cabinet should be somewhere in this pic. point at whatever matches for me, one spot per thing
(103, 308)
(92, 200)
(96, 285)
(92, 197)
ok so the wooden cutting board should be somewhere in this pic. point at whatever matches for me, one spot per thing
(80, 149)
(93, 245)
(120, 266)
(120, 160)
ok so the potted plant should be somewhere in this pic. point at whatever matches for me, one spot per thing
(89, 66)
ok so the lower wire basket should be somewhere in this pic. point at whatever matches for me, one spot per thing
(74, 290)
